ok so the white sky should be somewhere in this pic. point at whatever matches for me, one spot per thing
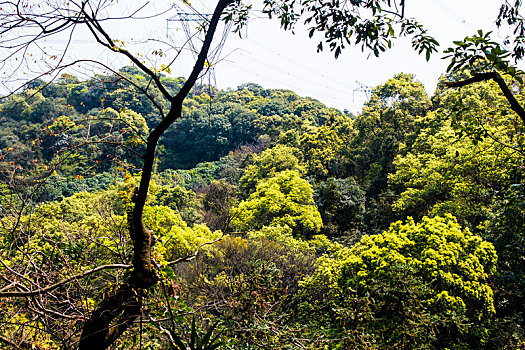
(273, 58)
(277, 59)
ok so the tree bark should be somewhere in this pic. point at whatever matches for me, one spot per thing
(117, 312)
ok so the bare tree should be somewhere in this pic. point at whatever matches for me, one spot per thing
(24, 24)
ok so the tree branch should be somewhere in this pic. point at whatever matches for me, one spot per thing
(124, 306)
(67, 280)
(174, 113)
(13, 345)
(514, 104)
(192, 256)
(94, 24)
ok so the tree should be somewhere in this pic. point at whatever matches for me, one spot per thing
(507, 232)
(267, 164)
(249, 282)
(387, 126)
(415, 286)
(341, 203)
(444, 172)
(325, 149)
(217, 199)
(23, 24)
(478, 58)
(284, 199)
(474, 61)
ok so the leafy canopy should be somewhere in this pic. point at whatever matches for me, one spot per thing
(284, 199)
(416, 286)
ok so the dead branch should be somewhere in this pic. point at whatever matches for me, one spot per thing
(30, 293)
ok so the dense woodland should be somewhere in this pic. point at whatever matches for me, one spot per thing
(279, 223)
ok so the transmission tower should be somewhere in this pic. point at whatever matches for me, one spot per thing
(185, 17)
(365, 89)
(197, 32)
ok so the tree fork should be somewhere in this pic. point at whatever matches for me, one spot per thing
(117, 312)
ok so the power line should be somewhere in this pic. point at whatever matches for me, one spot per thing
(453, 13)
(299, 64)
(332, 95)
(367, 90)
(330, 88)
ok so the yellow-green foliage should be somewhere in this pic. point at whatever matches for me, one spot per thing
(442, 172)
(85, 224)
(285, 199)
(62, 239)
(424, 285)
(130, 120)
(177, 239)
(449, 258)
(282, 235)
(19, 326)
(324, 147)
(267, 164)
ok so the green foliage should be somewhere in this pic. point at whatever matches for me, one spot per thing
(415, 286)
(210, 129)
(392, 112)
(176, 238)
(197, 137)
(478, 53)
(176, 197)
(267, 164)
(78, 129)
(507, 232)
(312, 110)
(197, 342)
(454, 166)
(284, 199)
(249, 282)
(371, 24)
(217, 200)
(389, 122)
(341, 203)
(418, 285)
(324, 149)
(81, 232)
(60, 240)
(477, 109)
(509, 13)
(58, 187)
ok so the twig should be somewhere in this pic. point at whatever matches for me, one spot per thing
(194, 255)
(58, 284)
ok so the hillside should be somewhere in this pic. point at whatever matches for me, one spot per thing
(280, 223)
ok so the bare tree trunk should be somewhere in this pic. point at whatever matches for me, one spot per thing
(117, 312)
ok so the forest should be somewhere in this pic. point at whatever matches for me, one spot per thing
(143, 211)
(278, 220)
